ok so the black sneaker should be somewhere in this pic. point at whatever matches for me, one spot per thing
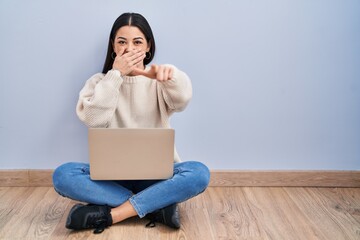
(89, 216)
(168, 216)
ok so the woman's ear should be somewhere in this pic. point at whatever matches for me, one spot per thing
(149, 46)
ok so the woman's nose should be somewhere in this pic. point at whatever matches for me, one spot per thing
(130, 47)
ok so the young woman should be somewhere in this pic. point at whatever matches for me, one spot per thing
(127, 94)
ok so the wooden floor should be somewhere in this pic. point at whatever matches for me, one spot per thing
(218, 213)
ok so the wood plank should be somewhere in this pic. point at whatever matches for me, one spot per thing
(340, 206)
(60, 232)
(38, 216)
(17, 226)
(278, 215)
(11, 202)
(196, 223)
(332, 224)
(352, 197)
(344, 199)
(286, 178)
(229, 215)
(50, 211)
(249, 215)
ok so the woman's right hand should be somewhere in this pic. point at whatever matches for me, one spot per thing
(127, 62)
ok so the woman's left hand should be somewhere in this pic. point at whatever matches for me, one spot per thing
(158, 72)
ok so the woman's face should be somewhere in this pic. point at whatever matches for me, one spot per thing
(130, 38)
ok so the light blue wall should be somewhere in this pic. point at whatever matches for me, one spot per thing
(276, 83)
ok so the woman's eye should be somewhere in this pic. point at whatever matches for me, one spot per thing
(122, 42)
(138, 42)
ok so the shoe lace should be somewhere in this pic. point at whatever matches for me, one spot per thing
(153, 217)
(152, 222)
(97, 222)
(158, 216)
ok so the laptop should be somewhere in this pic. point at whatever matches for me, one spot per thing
(131, 153)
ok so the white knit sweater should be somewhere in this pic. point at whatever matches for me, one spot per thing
(112, 101)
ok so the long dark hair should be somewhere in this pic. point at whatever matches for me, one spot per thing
(130, 19)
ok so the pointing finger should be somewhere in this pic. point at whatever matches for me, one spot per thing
(149, 74)
(171, 72)
(160, 73)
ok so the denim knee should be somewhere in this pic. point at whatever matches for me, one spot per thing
(62, 176)
(203, 175)
(198, 175)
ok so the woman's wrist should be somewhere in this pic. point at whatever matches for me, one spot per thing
(117, 71)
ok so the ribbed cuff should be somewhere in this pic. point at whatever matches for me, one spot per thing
(114, 76)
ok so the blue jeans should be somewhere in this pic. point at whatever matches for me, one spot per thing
(190, 178)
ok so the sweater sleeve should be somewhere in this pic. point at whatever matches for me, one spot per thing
(98, 99)
(177, 91)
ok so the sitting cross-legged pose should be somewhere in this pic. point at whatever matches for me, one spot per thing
(129, 94)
